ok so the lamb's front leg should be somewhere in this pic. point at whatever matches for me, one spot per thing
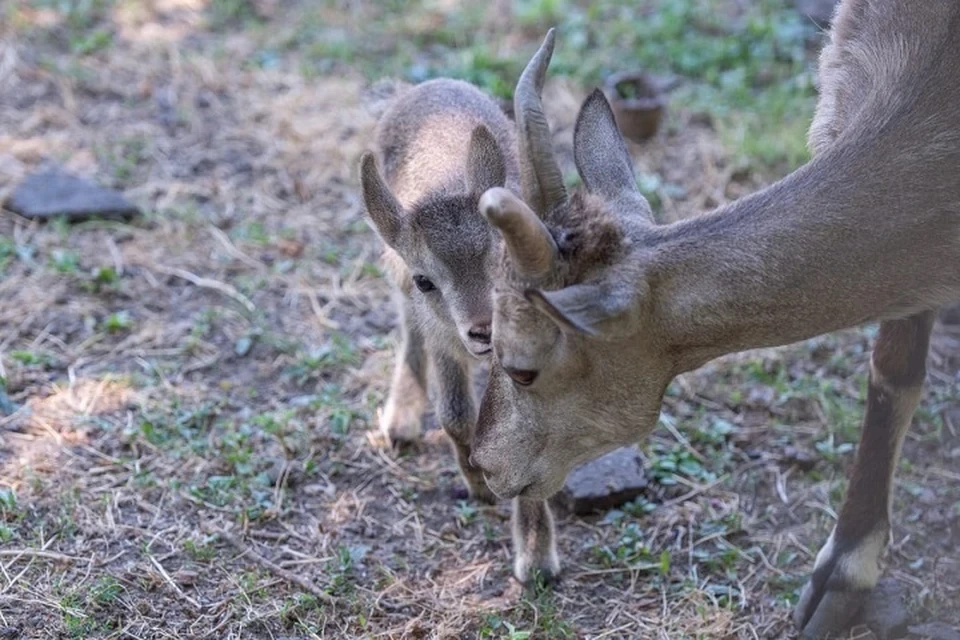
(534, 541)
(534, 545)
(402, 419)
(847, 567)
(456, 411)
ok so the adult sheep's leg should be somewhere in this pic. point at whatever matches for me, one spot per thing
(847, 567)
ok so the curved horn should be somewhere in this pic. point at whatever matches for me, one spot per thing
(531, 247)
(540, 175)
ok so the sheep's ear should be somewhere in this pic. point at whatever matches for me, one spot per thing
(590, 309)
(601, 155)
(486, 167)
(383, 208)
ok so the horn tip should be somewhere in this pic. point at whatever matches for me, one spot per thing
(494, 203)
(549, 40)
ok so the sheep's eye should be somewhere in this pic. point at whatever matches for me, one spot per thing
(424, 284)
(522, 377)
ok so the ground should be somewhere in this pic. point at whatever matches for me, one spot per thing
(188, 402)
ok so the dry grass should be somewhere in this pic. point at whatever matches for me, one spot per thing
(194, 456)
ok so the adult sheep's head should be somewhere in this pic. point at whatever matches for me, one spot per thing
(572, 378)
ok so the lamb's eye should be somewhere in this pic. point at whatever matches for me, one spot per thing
(424, 284)
(523, 377)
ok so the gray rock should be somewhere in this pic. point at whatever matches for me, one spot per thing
(885, 612)
(820, 11)
(604, 483)
(7, 408)
(935, 631)
(950, 315)
(52, 192)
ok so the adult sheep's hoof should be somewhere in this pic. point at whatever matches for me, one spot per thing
(834, 611)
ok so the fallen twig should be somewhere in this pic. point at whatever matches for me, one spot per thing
(173, 585)
(275, 569)
(208, 283)
(36, 553)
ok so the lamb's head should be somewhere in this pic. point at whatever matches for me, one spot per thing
(578, 370)
(445, 246)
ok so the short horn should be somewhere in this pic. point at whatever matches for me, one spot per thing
(532, 249)
(540, 175)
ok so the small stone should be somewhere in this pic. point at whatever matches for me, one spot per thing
(53, 192)
(243, 345)
(316, 489)
(7, 407)
(884, 612)
(290, 474)
(290, 248)
(604, 483)
(935, 631)
(185, 577)
(803, 460)
(761, 395)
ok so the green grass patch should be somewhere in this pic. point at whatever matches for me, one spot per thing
(749, 67)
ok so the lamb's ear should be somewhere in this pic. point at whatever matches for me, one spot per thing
(486, 166)
(590, 309)
(383, 208)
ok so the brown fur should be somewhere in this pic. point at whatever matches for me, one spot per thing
(588, 235)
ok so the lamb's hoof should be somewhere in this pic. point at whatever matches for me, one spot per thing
(482, 495)
(402, 426)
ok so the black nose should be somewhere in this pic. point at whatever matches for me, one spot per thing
(479, 333)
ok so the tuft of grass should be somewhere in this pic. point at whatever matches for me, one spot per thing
(87, 43)
(666, 463)
(65, 262)
(335, 355)
(105, 591)
(9, 507)
(8, 251)
(31, 358)
(118, 321)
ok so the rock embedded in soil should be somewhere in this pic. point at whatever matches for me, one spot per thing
(885, 612)
(52, 193)
(803, 460)
(604, 483)
(934, 631)
(950, 315)
(7, 407)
